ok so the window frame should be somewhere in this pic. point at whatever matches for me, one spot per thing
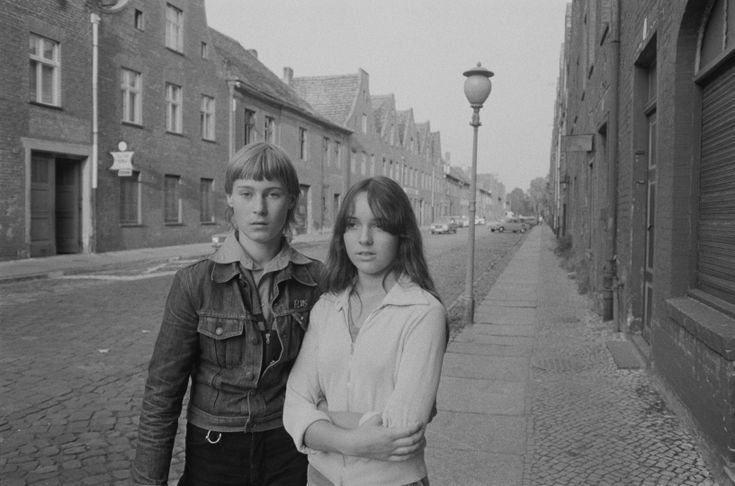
(174, 29)
(172, 194)
(174, 109)
(249, 126)
(303, 145)
(269, 129)
(136, 200)
(207, 117)
(206, 201)
(127, 91)
(38, 61)
(138, 19)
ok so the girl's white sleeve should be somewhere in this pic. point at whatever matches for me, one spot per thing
(303, 392)
(419, 370)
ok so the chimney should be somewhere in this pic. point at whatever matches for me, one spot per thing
(287, 75)
(253, 53)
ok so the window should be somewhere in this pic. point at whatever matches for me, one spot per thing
(131, 88)
(269, 132)
(130, 202)
(302, 143)
(716, 176)
(338, 154)
(325, 151)
(171, 199)
(206, 117)
(44, 71)
(206, 200)
(173, 108)
(249, 126)
(138, 20)
(364, 123)
(174, 28)
(205, 50)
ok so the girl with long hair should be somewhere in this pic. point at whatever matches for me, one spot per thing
(364, 385)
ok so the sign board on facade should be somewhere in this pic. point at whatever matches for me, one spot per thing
(122, 161)
(578, 143)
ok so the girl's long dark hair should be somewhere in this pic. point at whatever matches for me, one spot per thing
(389, 204)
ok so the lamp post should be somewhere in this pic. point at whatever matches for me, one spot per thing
(477, 88)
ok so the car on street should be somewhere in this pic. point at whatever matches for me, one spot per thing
(511, 224)
(443, 226)
(493, 225)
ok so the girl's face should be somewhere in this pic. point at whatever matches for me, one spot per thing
(260, 209)
(371, 249)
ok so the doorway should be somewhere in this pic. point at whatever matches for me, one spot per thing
(56, 205)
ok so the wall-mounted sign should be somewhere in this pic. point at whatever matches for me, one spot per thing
(578, 143)
(122, 160)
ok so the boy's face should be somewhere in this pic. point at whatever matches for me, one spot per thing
(260, 209)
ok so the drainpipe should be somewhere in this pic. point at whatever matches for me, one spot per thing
(611, 284)
(95, 20)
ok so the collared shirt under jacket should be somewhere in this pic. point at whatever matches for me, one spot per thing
(391, 368)
(211, 335)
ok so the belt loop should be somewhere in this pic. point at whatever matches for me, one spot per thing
(209, 439)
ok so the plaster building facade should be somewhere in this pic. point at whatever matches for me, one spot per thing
(643, 169)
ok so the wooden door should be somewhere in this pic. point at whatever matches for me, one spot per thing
(43, 242)
(68, 206)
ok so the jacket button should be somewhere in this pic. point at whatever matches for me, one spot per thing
(219, 331)
(254, 340)
(249, 375)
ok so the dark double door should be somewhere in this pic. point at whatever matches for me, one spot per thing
(56, 205)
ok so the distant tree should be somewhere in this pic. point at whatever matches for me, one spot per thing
(538, 195)
(519, 202)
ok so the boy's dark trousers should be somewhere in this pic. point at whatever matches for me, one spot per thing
(265, 458)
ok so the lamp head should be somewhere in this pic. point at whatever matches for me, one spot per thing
(477, 86)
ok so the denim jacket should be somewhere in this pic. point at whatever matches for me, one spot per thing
(207, 334)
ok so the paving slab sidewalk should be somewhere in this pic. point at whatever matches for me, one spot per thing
(480, 433)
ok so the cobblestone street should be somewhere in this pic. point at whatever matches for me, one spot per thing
(558, 410)
(592, 423)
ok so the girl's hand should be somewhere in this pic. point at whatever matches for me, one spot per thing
(372, 440)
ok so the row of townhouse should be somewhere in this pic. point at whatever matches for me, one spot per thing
(118, 117)
(643, 179)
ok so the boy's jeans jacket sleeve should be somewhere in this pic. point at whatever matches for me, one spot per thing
(208, 335)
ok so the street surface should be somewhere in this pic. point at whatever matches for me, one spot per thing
(74, 352)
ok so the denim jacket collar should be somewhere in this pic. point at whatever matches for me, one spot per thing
(288, 262)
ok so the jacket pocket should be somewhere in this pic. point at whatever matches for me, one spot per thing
(221, 339)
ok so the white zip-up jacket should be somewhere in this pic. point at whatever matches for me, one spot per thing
(392, 368)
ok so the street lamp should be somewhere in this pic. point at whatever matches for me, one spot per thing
(477, 88)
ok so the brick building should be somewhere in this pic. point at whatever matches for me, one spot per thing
(643, 170)
(384, 141)
(118, 122)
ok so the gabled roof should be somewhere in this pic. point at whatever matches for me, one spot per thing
(458, 174)
(423, 129)
(332, 96)
(243, 66)
(405, 117)
(436, 144)
(384, 107)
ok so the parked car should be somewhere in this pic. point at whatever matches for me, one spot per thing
(493, 225)
(479, 220)
(512, 224)
(529, 220)
(444, 225)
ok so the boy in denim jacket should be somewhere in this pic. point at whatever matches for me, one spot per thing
(233, 325)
